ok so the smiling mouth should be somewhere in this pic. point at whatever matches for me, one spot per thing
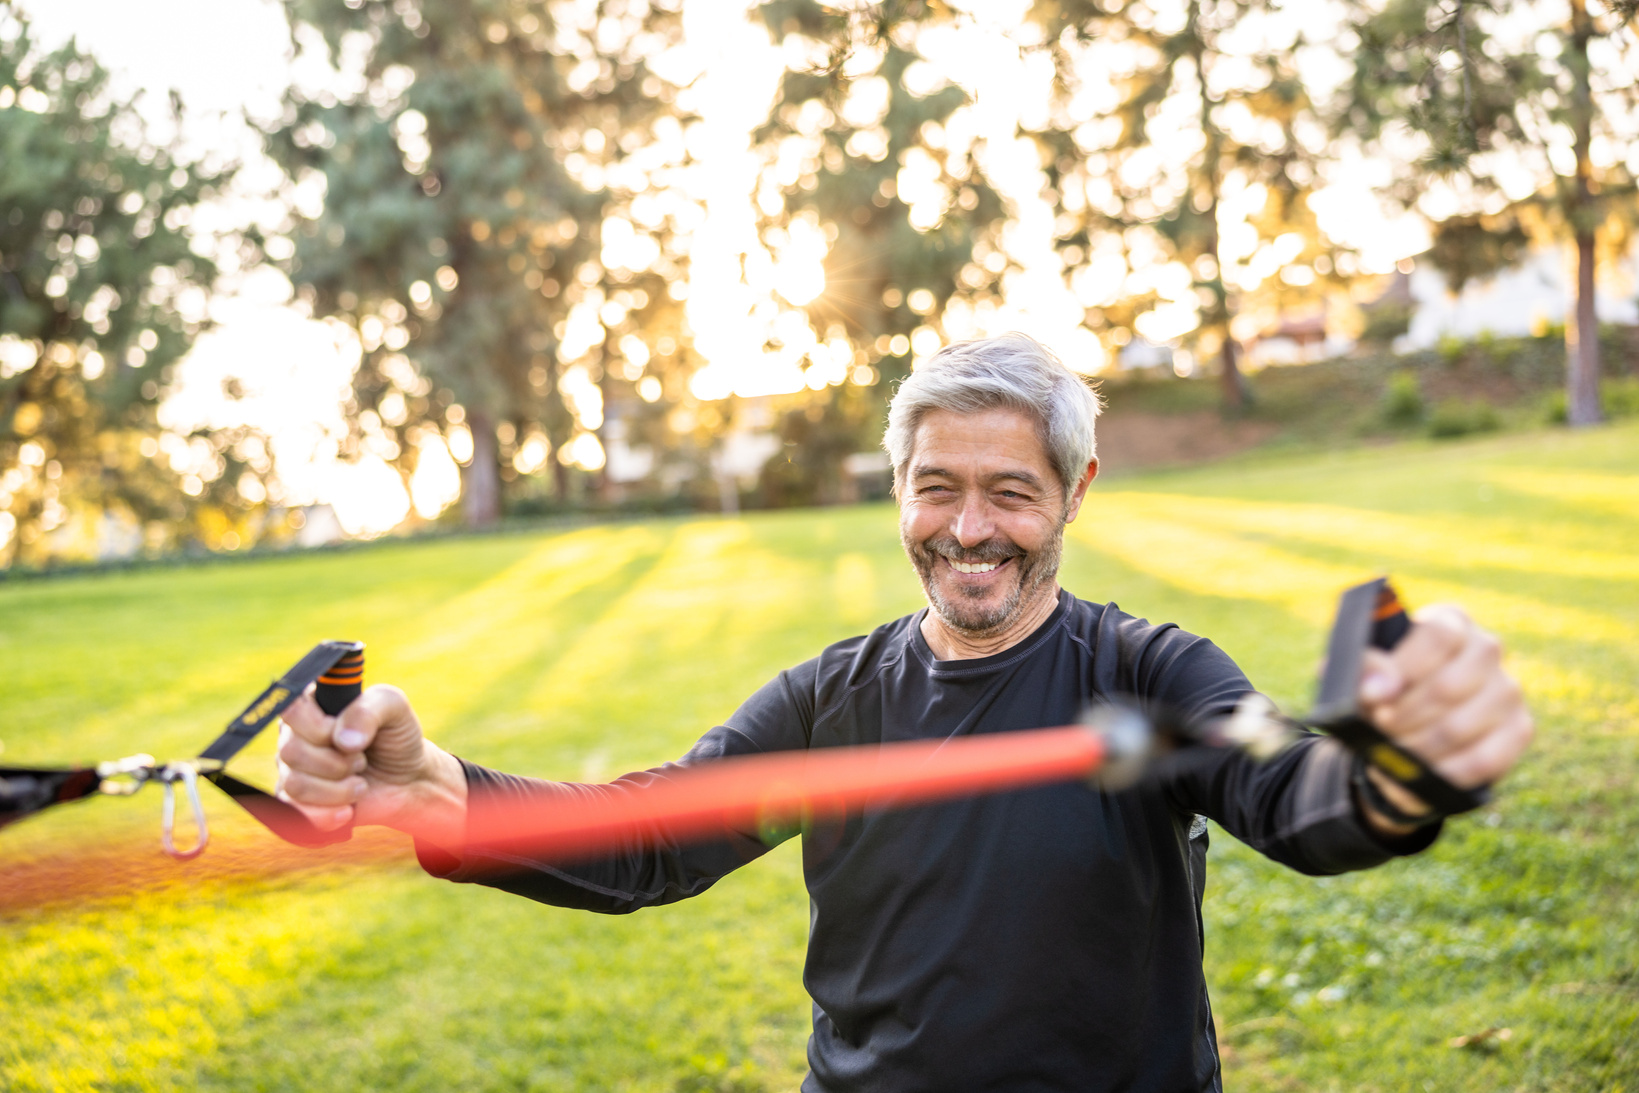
(976, 567)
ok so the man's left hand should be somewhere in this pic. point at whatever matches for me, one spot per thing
(1443, 695)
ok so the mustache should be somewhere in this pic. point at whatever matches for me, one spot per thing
(991, 550)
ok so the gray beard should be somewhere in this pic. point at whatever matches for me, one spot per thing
(964, 614)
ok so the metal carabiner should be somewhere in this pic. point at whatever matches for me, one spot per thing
(168, 777)
(123, 777)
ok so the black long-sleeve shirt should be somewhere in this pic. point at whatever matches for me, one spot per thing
(1042, 939)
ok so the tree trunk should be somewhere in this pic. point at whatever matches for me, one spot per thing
(1582, 343)
(1232, 384)
(1582, 333)
(481, 479)
(1236, 393)
(560, 480)
(728, 495)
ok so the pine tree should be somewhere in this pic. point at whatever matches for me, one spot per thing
(100, 295)
(1490, 93)
(489, 224)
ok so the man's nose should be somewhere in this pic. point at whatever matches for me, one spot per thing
(974, 522)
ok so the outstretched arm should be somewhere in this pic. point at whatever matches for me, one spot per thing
(371, 765)
(1441, 694)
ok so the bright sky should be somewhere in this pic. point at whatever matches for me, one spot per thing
(228, 56)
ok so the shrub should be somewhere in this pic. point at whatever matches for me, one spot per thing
(1554, 411)
(1617, 398)
(1403, 399)
(1453, 418)
(1620, 396)
(1385, 322)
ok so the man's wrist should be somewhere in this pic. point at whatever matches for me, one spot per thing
(438, 810)
(1388, 807)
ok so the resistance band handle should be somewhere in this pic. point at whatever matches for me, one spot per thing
(1370, 615)
(336, 670)
(343, 681)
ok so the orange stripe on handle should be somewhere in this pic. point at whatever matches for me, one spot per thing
(342, 682)
(1388, 605)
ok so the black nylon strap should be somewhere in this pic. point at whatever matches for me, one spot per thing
(273, 701)
(1379, 802)
(284, 820)
(26, 790)
(1356, 629)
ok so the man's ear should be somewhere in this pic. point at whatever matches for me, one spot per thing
(1080, 492)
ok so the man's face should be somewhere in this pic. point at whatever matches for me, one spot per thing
(982, 515)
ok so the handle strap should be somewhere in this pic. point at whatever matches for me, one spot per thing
(1370, 615)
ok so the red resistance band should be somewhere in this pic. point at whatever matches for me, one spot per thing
(763, 792)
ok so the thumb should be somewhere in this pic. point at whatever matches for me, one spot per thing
(1380, 679)
(381, 724)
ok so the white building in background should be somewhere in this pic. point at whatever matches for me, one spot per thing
(319, 526)
(627, 462)
(1515, 302)
(743, 450)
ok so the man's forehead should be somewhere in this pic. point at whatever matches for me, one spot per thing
(995, 441)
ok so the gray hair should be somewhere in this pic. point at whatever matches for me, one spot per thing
(1013, 372)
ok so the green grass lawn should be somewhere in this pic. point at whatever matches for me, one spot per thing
(586, 653)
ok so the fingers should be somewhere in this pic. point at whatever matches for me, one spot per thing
(302, 789)
(1492, 755)
(1446, 687)
(1444, 695)
(306, 720)
(316, 776)
(1440, 633)
(1437, 733)
(362, 757)
(317, 792)
(325, 762)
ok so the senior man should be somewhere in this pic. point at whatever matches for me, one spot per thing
(1042, 939)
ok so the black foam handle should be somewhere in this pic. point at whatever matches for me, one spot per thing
(341, 682)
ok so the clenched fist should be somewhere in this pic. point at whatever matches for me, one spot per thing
(1443, 695)
(371, 765)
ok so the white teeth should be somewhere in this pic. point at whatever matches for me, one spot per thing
(978, 567)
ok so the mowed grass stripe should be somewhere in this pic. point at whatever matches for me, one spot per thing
(585, 653)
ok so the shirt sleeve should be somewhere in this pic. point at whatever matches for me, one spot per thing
(648, 870)
(1298, 808)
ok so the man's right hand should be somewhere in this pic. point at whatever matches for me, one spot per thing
(371, 765)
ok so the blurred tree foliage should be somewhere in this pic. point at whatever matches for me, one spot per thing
(866, 147)
(1491, 94)
(1162, 111)
(483, 205)
(100, 295)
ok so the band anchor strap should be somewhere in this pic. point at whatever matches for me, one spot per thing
(335, 669)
